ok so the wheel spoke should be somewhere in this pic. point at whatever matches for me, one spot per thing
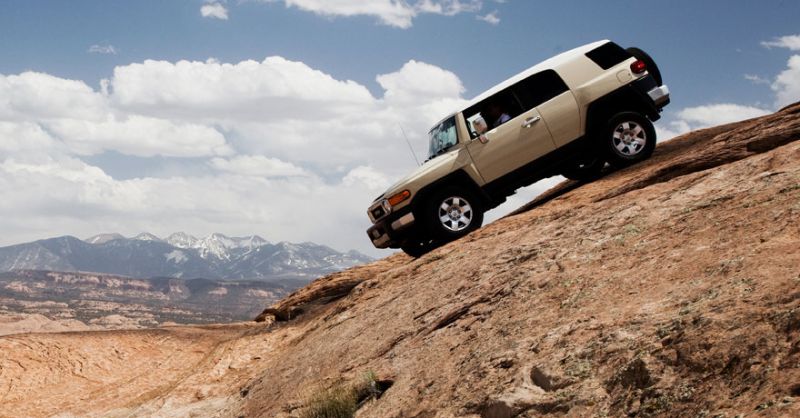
(637, 130)
(617, 134)
(455, 214)
(621, 146)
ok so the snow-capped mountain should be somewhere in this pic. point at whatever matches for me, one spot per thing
(181, 240)
(145, 236)
(180, 255)
(216, 245)
(103, 238)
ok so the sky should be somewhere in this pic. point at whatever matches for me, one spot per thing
(286, 118)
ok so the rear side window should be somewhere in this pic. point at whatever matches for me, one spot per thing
(539, 88)
(608, 55)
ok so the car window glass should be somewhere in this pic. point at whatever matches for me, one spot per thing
(442, 137)
(492, 112)
(608, 55)
(539, 88)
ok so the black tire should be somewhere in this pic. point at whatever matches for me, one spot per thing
(652, 68)
(629, 137)
(461, 206)
(418, 248)
(585, 168)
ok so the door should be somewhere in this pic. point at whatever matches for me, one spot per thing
(512, 145)
(548, 93)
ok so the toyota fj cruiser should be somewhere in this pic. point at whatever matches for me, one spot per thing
(569, 115)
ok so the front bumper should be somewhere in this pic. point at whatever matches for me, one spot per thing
(388, 232)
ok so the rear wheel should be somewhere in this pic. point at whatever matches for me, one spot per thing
(452, 212)
(629, 137)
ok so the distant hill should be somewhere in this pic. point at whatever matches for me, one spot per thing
(180, 256)
(110, 301)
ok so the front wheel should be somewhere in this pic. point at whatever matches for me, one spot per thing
(452, 213)
(629, 137)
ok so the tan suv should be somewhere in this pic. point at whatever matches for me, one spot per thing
(569, 115)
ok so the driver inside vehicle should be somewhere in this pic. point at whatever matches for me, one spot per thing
(495, 112)
(479, 124)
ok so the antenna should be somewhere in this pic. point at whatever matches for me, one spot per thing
(409, 143)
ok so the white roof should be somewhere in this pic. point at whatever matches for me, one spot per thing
(549, 63)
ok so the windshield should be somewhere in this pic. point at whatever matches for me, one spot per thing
(442, 137)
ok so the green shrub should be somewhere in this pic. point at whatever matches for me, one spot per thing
(341, 401)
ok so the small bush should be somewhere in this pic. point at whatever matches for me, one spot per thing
(341, 401)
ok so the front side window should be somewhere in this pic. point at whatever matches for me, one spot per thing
(492, 112)
(442, 137)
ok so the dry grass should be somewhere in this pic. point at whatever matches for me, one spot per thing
(341, 401)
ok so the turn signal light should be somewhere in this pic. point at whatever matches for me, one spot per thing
(396, 199)
(638, 67)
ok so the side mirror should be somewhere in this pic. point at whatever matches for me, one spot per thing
(483, 138)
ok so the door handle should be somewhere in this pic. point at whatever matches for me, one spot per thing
(527, 123)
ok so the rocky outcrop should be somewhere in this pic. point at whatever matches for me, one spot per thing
(322, 292)
(665, 289)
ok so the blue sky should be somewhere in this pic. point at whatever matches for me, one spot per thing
(703, 47)
(368, 66)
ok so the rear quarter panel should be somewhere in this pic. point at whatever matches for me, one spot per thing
(588, 82)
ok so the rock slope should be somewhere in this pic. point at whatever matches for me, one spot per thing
(670, 288)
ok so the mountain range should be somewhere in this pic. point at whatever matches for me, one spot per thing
(180, 255)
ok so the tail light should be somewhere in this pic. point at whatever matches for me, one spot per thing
(638, 67)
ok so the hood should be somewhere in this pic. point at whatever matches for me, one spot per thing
(447, 158)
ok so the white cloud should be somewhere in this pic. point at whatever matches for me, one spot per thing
(25, 137)
(718, 114)
(397, 13)
(86, 122)
(263, 138)
(373, 179)
(274, 89)
(787, 84)
(140, 136)
(698, 117)
(287, 110)
(38, 96)
(791, 42)
(490, 18)
(756, 79)
(418, 80)
(257, 166)
(102, 49)
(214, 10)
